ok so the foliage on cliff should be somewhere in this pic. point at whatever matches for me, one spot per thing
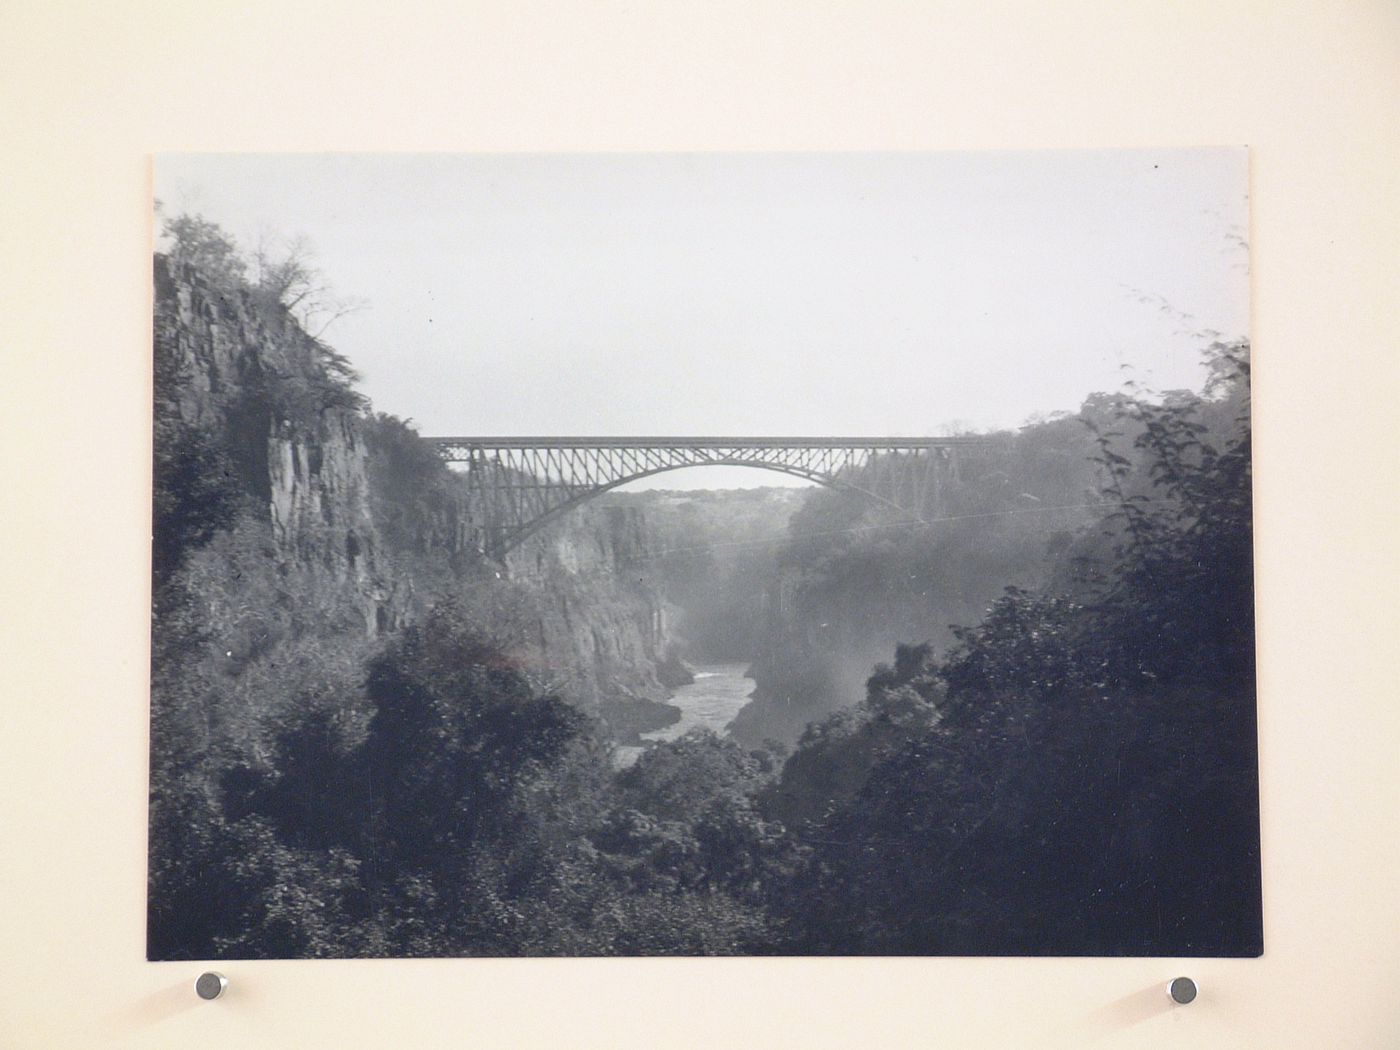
(414, 497)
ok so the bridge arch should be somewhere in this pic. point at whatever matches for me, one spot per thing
(834, 483)
(516, 486)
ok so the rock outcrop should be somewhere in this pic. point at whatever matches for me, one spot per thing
(599, 629)
(245, 372)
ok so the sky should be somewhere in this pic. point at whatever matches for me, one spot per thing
(751, 294)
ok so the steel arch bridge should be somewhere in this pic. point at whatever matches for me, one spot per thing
(517, 485)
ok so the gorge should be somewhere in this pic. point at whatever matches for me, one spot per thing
(371, 738)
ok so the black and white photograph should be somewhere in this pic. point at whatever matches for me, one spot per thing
(689, 554)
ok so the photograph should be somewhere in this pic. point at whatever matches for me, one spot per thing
(700, 554)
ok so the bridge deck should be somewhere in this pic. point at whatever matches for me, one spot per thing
(707, 442)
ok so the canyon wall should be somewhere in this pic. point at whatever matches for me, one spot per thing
(297, 449)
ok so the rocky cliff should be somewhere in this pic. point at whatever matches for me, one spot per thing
(599, 627)
(300, 451)
(596, 620)
(244, 373)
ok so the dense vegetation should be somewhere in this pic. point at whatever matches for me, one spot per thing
(1073, 771)
(1077, 775)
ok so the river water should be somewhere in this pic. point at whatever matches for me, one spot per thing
(709, 702)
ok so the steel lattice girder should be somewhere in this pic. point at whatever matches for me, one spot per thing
(518, 484)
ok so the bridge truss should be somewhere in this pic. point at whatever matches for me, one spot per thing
(518, 485)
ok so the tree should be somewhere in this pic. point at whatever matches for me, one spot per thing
(197, 242)
(196, 493)
(289, 277)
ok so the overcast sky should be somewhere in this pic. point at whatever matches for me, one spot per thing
(752, 294)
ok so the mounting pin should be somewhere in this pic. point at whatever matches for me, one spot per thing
(1182, 990)
(210, 985)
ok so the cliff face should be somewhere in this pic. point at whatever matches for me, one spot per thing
(597, 624)
(248, 375)
(244, 375)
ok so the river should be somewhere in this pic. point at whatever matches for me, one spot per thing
(709, 702)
